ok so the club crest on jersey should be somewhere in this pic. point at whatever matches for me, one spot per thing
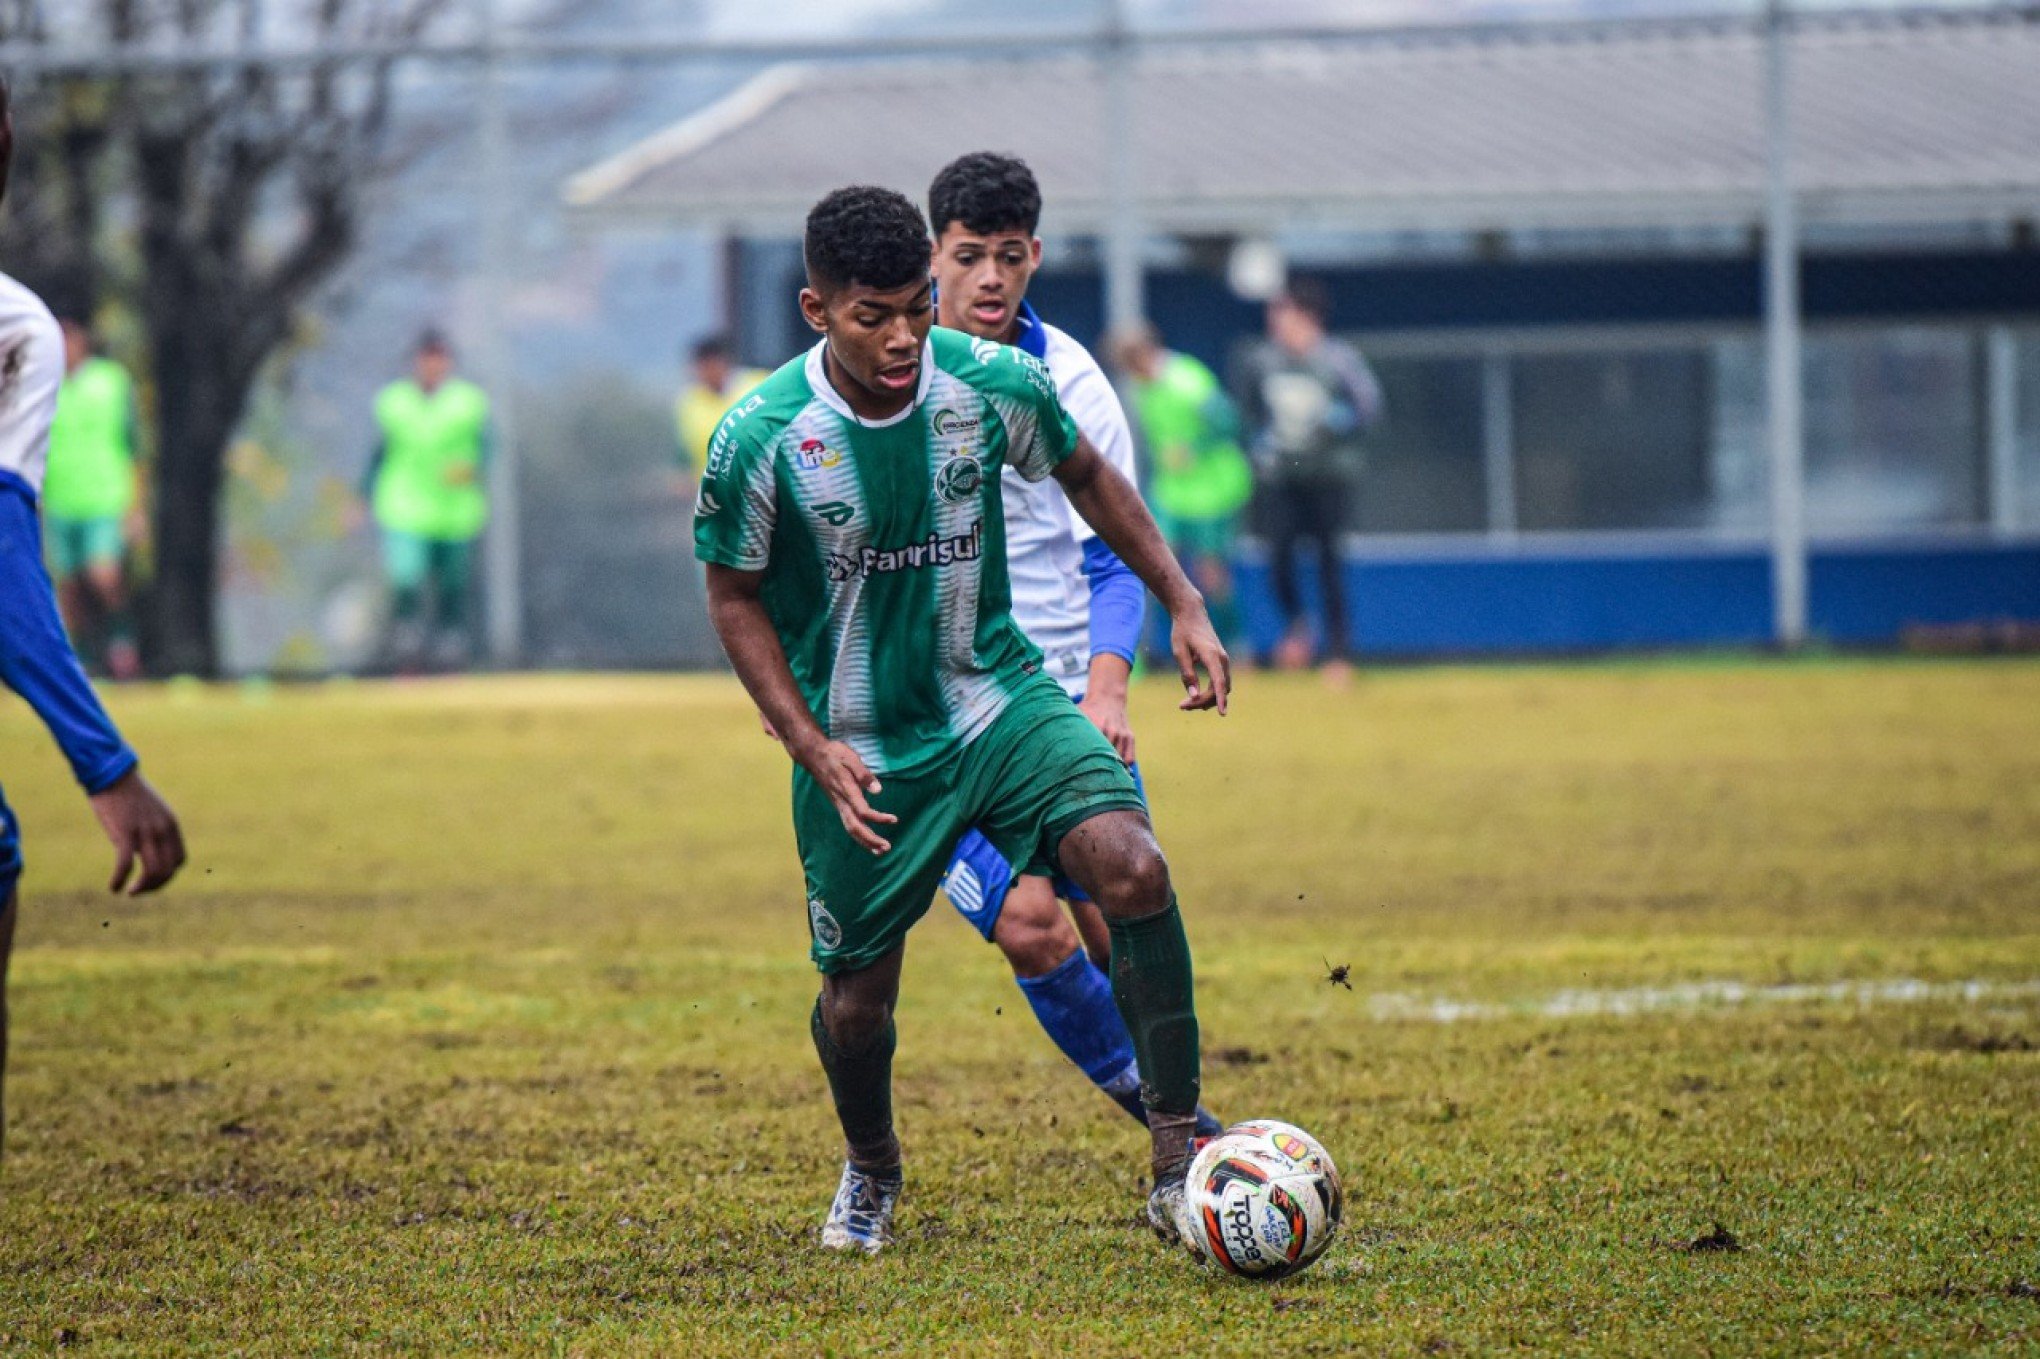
(827, 932)
(816, 454)
(959, 478)
(948, 422)
(834, 513)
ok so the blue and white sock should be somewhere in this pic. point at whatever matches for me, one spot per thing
(1075, 1008)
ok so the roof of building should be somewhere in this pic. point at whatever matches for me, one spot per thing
(1598, 125)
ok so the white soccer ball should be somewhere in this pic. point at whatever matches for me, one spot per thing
(1263, 1200)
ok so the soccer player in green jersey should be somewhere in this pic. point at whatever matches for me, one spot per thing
(425, 484)
(851, 519)
(91, 500)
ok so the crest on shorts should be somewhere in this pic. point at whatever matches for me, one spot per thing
(826, 931)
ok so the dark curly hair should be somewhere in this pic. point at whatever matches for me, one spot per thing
(987, 192)
(863, 234)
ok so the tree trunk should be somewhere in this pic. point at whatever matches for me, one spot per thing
(200, 393)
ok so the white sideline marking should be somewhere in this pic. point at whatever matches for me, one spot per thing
(1589, 1003)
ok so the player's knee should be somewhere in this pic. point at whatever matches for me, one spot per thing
(855, 1020)
(1137, 885)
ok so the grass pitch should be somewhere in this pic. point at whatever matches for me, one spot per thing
(478, 1022)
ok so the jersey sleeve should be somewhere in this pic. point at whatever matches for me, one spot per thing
(1040, 434)
(738, 504)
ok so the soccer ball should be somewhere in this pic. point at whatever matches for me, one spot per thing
(1263, 1200)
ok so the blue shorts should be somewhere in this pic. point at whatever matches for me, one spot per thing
(10, 850)
(978, 877)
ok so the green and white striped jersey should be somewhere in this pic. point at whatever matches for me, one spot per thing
(883, 543)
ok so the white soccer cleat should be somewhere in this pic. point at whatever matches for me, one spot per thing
(861, 1216)
(1166, 1207)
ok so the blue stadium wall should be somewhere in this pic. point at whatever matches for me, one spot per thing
(1586, 597)
(1623, 591)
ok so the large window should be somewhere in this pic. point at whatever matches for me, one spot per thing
(1894, 430)
(1424, 471)
(1603, 432)
(1613, 440)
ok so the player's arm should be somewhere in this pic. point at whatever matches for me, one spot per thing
(737, 608)
(1109, 503)
(1118, 602)
(36, 661)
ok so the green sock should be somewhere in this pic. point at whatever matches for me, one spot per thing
(861, 1085)
(1151, 981)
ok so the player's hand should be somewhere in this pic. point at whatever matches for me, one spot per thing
(1200, 659)
(844, 777)
(143, 831)
(1108, 714)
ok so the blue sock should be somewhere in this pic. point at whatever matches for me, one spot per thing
(1075, 1007)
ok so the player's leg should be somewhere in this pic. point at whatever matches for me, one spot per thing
(452, 593)
(105, 577)
(406, 564)
(67, 569)
(10, 901)
(7, 914)
(1043, 776)
(860, 907)
(1067, 991)
(1284, 529)
(1209, 544)
(852, 1026)
(1090, 923)
(1328, 528)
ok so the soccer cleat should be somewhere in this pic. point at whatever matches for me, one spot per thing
(861, 1216)
(1165, 1207)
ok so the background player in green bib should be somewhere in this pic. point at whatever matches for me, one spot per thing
(425, 486)
(852, 520)
(1199, 478)
(91, 501)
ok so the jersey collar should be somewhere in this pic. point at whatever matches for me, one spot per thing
(819, 384)
(1033, 335)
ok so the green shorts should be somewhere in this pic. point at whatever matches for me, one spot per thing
(1200, 537)
(1038, 771)
(78, 543)
(410, 560)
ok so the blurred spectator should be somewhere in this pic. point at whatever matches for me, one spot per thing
(716, 386)
(425, 486)
(1308, 398)
(92, 502)
(1199, 480)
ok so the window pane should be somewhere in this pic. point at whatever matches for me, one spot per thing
(1894, 430)
(2026, 466)
(1740, 457)
(1424, 472)
(1613, 439)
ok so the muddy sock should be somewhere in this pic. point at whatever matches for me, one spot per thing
(860, 1082)
(1151, 981)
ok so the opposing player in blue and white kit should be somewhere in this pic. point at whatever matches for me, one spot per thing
(1073, 598)
(36, 660)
